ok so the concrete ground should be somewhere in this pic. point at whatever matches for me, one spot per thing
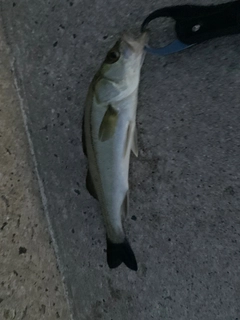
(184, 224)
(30, 283)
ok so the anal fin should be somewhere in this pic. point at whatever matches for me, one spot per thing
(125, 205)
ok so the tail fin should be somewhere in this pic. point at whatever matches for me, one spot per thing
(120, 252)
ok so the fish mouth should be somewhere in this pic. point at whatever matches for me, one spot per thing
(135, 45)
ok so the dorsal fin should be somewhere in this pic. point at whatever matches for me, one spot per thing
(128, 139)
(134, 142)
(131, 139)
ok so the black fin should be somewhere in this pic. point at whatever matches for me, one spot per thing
(90, 186)
(83, 138)
(120, 252)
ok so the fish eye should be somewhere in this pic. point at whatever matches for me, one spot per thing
(112, 56)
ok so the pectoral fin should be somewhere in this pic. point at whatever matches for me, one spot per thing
(108, 125)
(90, 186)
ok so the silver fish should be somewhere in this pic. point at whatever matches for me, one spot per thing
(109, 135)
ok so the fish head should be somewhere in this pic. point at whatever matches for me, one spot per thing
(125, 58)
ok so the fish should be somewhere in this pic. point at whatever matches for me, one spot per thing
(109, 136)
